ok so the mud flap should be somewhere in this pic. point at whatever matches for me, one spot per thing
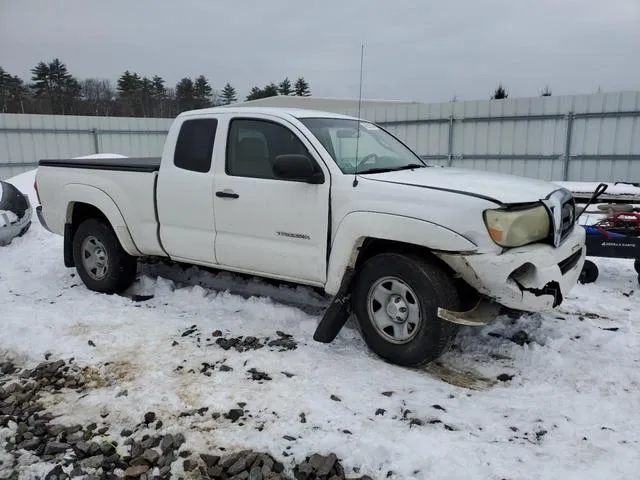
(336, 316)
(483, 313)
(68, 246)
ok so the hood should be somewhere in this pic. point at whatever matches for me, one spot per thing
(496, 187)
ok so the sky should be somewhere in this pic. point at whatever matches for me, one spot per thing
(418, 50)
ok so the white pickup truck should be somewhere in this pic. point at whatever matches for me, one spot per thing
(329, 201)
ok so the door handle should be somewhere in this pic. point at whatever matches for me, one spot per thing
(227, 195)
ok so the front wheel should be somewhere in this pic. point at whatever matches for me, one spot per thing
(396, 299)
(636, 265)
(100, 260)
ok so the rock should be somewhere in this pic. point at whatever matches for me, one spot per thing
(387, 394)
(303, 418)
(228, 460)
(107, 448)
(136, 450)
(438, 407)
(147, 443)
(178, 440)
(241, 476)
(126, 433)
(149, 417)
(215, 472)
(289, 438)
(56, 474)
(184, 454)
(136, 471)
(103, 430)
(31, 444)
(234, 414)
(77, 472)
(151, 456)
(189, 465)
(258, 375)
(237, 467)
(92, 462)
(53, 448)
(225, 368)
(111, 459)
(122, 393)
(504, 377)
(327, 465)
(216, 333)
(209, 460)
(335, 398)
(380, 411)
(159, 424)
(167, 443)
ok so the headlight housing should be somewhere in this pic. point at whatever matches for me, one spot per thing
(515, 228)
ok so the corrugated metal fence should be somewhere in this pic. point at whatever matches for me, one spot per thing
(574, 137)
(578, 138)
(25, 139)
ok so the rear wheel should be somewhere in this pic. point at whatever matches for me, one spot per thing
(100, 260)
(589, 273)
(396, 299)
(636, 265)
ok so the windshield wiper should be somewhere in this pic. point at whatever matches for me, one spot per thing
(410, 166)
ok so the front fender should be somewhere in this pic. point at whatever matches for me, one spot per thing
(78, 193)
(356, 226)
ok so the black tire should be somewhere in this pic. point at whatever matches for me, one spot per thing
(433, 288)
(120, 271)
(636, 265)
(589, 273)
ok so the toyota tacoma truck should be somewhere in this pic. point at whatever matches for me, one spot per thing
(325, 200)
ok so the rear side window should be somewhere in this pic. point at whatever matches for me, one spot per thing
(194, 147)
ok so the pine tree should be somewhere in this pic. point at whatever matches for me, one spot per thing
(254, 94)
(185, 95)
(202, 92)
(284, 88)
(301, 88)
(54, 84)
(546, 92)
(159, 91)
(499, 93)
(13, 93)
(228, 95)
(270, 90)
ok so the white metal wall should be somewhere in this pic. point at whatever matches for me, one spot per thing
(579, 137)
(523, 136)
(25, 139)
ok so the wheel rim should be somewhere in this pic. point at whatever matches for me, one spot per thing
(94, 258)
(394, 310)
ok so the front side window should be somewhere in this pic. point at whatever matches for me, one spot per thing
(253, 144)
(377, 150)
(194, 147)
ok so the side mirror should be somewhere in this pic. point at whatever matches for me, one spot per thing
(297, 167)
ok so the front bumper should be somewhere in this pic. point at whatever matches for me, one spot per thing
(531, 278)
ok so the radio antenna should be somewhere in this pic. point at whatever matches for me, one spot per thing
(355, 173)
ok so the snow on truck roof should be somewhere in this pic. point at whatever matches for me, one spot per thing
(278, 111)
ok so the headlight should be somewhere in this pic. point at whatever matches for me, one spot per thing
(519, 227)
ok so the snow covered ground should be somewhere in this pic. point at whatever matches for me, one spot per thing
(552, 396)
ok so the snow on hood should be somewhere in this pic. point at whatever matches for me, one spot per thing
(500, 187)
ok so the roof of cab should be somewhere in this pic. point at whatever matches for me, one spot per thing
(277, 111)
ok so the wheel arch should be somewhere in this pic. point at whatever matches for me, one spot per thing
(86, 202)
(362, 235)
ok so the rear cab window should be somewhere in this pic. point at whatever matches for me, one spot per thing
(194, 147)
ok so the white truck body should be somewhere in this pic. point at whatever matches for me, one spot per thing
(312, 232)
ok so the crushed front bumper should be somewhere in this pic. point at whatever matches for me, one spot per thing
(531, 278)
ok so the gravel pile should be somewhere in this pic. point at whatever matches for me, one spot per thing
(282, 343)
(88, 451)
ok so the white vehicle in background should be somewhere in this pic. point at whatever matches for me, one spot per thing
(413, 251)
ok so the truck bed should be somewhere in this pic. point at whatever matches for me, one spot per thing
(129, 164)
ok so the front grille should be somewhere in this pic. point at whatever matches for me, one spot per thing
(569, 262)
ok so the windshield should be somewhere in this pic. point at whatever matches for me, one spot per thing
(378, 151)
